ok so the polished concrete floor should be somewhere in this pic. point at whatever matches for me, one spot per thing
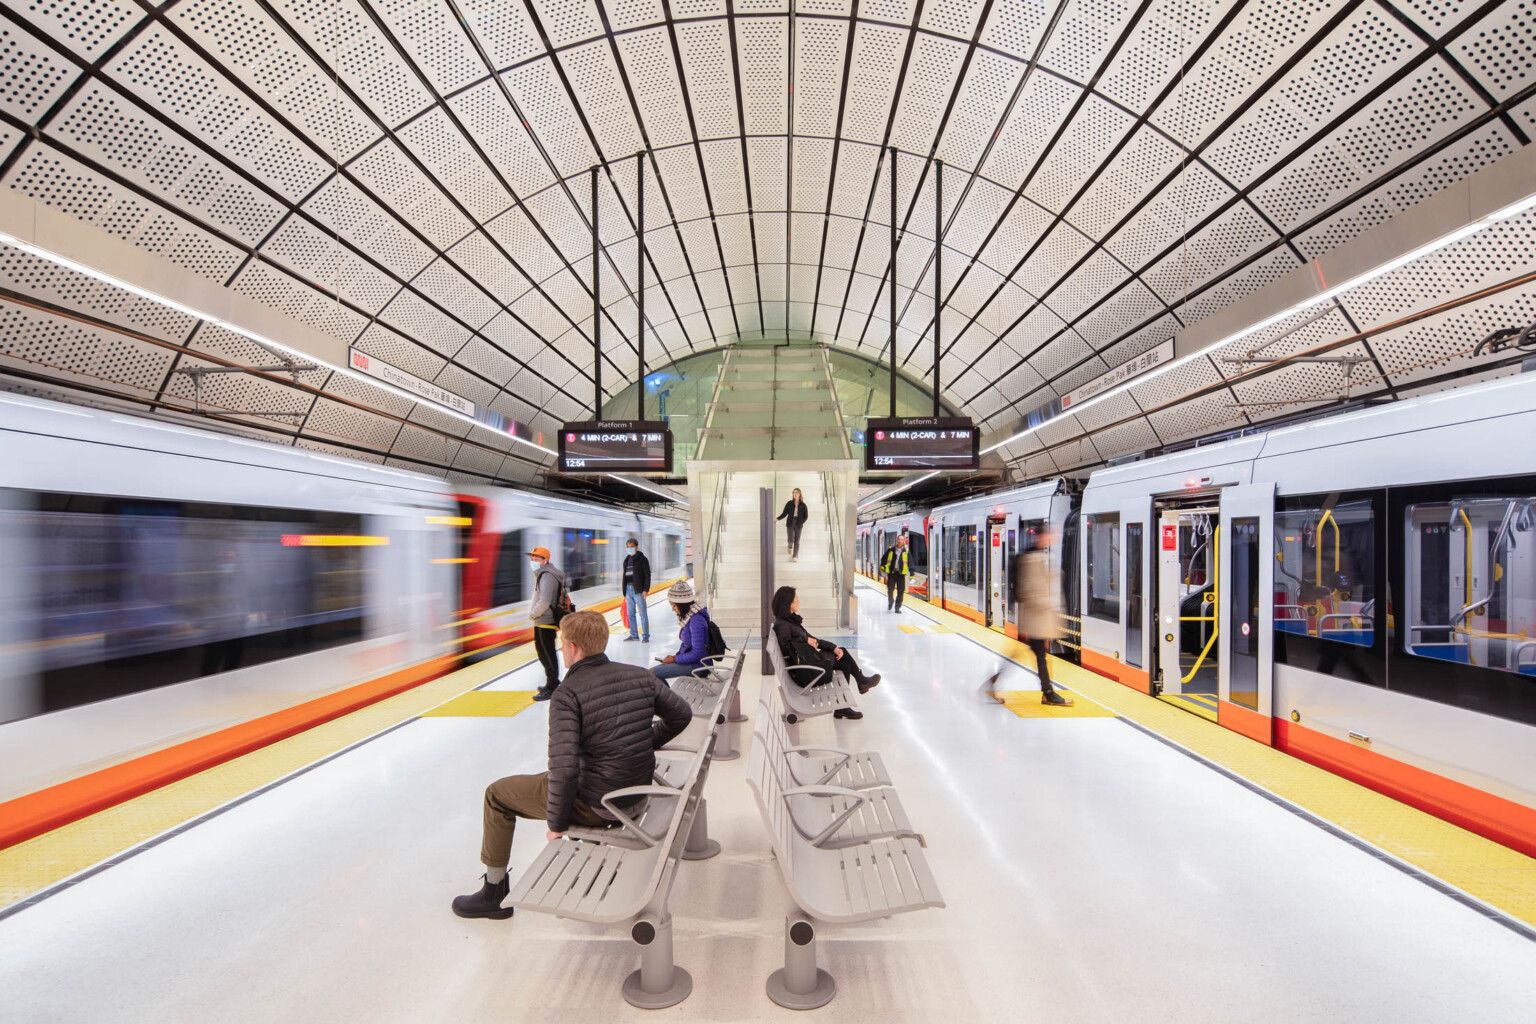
(1092, 874)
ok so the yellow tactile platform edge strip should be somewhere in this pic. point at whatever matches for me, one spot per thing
(1485, 870)
(38, 864)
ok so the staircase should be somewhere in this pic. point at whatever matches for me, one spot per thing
(736, 601)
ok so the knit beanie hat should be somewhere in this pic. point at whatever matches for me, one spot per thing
(681, 592)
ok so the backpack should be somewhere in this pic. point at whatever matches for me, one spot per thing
(563, 605)
(716, 639)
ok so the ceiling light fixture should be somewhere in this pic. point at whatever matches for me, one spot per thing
(886, 494)
(1450, 238)
(260, 339)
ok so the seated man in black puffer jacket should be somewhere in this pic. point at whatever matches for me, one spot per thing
(602, 737)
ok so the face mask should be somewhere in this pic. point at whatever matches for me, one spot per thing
(633, 549)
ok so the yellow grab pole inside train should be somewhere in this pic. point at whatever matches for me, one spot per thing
(1215, 594)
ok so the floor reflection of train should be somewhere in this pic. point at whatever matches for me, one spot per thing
(164, 583)
(1359, 591)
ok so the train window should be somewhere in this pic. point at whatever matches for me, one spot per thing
(507, 584)
(917, 555)
(136, 594)
(1470, 581)
(1103, 566)
(1243, 612)
(591, 559)
(1325, 568)
(1134, 556)
(960, 548)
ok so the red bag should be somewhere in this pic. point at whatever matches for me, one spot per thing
(624, 614)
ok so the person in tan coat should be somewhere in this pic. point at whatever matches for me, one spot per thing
(1036, 588)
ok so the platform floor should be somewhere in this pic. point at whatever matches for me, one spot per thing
(1093, 872)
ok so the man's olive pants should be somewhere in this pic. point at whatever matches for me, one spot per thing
(521, 796)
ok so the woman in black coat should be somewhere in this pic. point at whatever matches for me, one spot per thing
(794, 515)
(800, 648)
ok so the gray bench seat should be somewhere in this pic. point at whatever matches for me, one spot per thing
(822, 698)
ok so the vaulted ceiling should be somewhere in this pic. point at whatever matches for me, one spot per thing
(413, 177)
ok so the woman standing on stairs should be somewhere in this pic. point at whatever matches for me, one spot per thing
(794, 513)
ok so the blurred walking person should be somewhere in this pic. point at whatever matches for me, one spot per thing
(1036, 589)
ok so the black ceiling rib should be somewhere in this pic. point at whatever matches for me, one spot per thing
(832, 162)
(292, 208)
(441, 104)
(1468, 79)
(213, 232)
(1057, 219)
(603, 159)
(1085, 90)
(344, 171)
(315, 391)
(1060, 218)
(538, 144)
(698, 156)
(661, 184)
(1461, 132)
(746, 163)
(1241, 195)
(1256, 372)
(927, 164)
(882, 153)
(975, 173)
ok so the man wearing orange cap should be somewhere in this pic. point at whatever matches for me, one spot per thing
(546, 609)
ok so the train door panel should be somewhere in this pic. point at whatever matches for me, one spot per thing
(997, 573)
(1135, 520)
(1170, 582)
(1245, 610)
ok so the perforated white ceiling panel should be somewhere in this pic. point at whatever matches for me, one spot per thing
(414, 177)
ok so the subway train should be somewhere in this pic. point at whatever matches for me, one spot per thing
(1358, 591)
(163, 582)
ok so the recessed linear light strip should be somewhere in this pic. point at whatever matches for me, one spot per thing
(883, 495)
(1397, 263)
(260, 339)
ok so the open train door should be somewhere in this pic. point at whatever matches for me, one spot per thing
(1245, 610)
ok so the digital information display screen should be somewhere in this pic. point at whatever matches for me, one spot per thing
(615, 446)
(923, 442)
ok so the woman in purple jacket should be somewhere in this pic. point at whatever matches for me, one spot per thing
(694, 636)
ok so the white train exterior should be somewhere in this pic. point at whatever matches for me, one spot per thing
(163, 583)
(1375, 594)
(1359, 591)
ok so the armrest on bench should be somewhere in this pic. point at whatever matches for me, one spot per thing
(824, 791)
(843, 757)
(629, 823)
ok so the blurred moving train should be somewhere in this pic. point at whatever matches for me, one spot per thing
(1358, 591)
(162, 582)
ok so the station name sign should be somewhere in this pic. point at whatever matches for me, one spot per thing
(615, 446)
(921, 442)
(373, 366)
(1119, 375)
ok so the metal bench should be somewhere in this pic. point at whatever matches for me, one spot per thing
(829, 815)
(821, 697)
(702, 687)
(866, 881)
(624, 872)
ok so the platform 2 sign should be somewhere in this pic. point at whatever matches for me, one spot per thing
(922, 442)
(615, 446)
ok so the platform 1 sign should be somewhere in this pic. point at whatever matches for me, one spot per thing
(373, 366)
(615, 446)
(921, 442)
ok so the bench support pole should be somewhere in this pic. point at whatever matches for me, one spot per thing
(735, 715)
(725, 740)
(659, 982)
(699, 846)
(800, 984)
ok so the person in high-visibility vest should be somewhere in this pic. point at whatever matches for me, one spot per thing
(896, 568)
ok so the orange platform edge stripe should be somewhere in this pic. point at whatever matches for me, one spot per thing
(29, 816)
(1486, 814)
